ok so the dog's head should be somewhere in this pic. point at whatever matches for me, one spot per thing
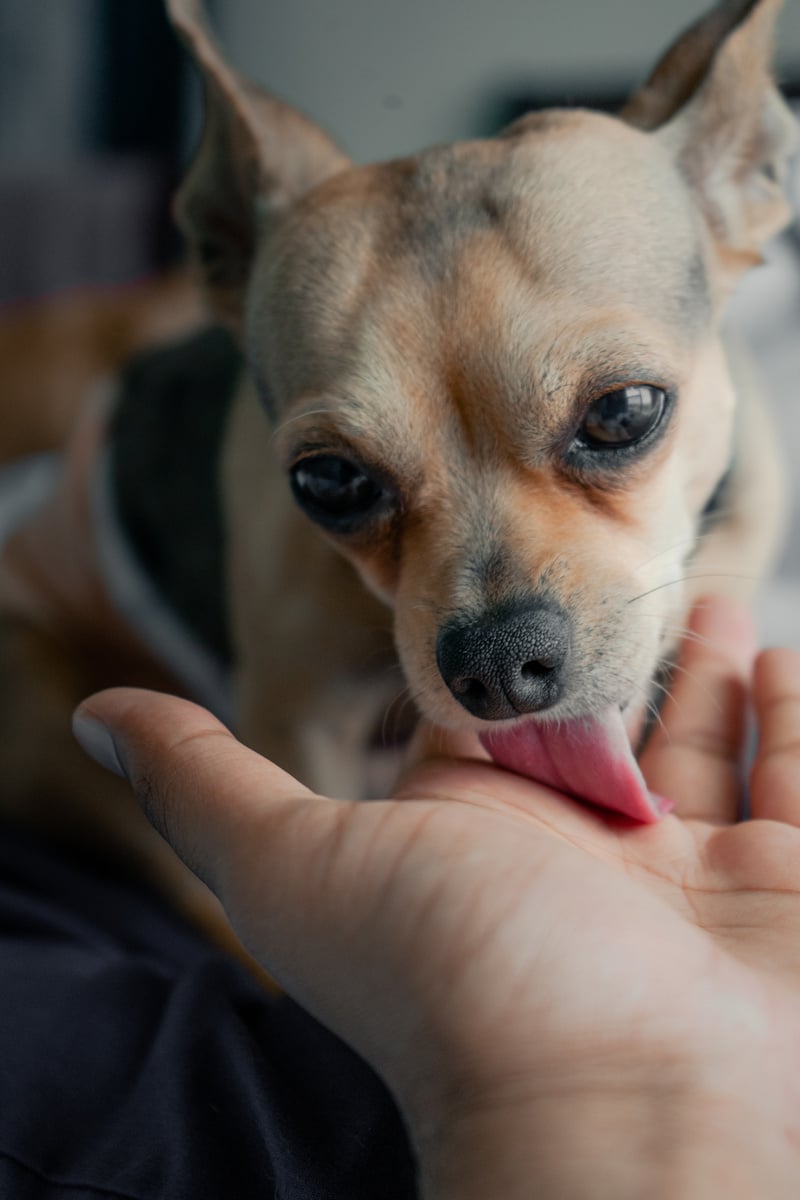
(494, 367)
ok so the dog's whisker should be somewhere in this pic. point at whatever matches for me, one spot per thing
(698, 683)
(693, 540)
(650, 706)
(711, 570)
(688, 635)
(690, 578)
(683, 632)
(696, 639)
(702, 537)
(655, 713)
(688, 541)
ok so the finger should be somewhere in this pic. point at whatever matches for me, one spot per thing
(277, 856)
(694, 755)
(310, 885)
(775, 777)
(197, 785)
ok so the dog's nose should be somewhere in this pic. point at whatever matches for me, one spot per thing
(508, 662)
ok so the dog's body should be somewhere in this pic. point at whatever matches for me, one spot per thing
(493, 374)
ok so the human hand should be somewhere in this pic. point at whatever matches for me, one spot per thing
(560, 1000)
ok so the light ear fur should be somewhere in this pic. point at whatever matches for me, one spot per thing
(257, 156)
(712, 101)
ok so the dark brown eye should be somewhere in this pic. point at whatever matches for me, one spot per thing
(622, 418)
(337, 493)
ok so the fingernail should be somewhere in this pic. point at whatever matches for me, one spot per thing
(95, 739)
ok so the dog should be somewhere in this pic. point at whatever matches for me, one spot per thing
(504, 420)
(485, 425)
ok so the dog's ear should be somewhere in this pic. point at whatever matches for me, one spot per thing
(712, 101)
(256, 157)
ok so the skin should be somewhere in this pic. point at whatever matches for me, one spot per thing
(562, 1003)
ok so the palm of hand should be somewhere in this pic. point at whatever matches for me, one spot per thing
(479, 934)
(512, 909)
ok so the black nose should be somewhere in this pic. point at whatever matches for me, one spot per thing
(507, 662)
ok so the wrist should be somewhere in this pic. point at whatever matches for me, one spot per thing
(663, 1138)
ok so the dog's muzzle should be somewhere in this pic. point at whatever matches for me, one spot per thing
(508, 661)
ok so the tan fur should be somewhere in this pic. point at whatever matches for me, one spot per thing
(348, 670)
(445, 318)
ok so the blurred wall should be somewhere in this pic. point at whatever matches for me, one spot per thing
(387, 77)
(44, 92)
(91, 96)
(97, 105)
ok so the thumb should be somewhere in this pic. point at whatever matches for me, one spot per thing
(202, 790)
(306, 881)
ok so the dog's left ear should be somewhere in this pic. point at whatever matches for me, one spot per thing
(713, 103)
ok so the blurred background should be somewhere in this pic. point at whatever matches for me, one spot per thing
(100, 110)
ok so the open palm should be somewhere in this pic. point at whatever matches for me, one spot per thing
(478, 935)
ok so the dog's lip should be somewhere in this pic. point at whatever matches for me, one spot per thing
(589, 758)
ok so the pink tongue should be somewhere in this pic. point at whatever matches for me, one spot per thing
(590, 759)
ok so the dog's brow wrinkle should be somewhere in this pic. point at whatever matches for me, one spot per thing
(444, 197)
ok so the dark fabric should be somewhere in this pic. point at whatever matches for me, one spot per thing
(166, 437)
(137, 1061)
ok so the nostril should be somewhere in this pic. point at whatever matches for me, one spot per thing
(538, 668)
(470, 689)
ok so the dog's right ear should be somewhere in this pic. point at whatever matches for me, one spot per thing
(256, 157)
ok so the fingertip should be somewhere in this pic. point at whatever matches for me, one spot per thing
(122, 727)
(694, 754)
(727, 626)
(138, 709)
(100, 720)
(96, 740)
(777, 666)
(166, 747)
(775, 775)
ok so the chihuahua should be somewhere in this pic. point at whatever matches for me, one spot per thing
(488, 406)
(487, 425)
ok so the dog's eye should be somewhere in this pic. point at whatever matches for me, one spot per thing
(622, 418)
(336, 493)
